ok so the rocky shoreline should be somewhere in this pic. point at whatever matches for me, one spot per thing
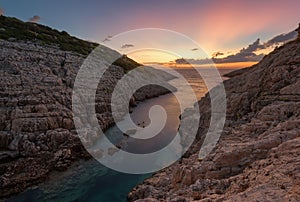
(258, 155)
(37, 133)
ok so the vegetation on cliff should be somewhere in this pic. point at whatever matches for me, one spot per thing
(14, 29)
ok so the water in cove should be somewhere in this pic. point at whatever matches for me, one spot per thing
(91, 181)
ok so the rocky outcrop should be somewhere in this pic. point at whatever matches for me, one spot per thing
(258, 155)
(37, 133)
(298, 30)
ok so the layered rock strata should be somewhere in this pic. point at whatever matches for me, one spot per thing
(37, 133)
(258, 155)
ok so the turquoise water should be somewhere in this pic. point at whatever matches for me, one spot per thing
(87, 181)
(90, 181)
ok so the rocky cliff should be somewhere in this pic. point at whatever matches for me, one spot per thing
(37, 133)
(258, 155)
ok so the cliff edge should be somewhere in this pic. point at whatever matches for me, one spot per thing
(258, 155)
(38, 67)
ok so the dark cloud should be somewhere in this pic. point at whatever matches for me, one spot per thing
(216, 54)
(244, 55)
(35, 19)
(247, 54)
(282, 38)
(193, 61)
(240, 57)
(255, 46)
(194, 49)
(1, 11)
(181, 61)
(127, 46)
(108, 38)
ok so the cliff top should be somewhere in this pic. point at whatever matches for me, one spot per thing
(13, 29)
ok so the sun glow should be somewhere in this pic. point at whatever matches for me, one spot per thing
(148, 57)
(219, 66)
(152, 56)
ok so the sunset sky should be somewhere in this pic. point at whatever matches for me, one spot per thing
(223, 27)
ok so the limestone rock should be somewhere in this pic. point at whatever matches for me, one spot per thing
(36, 118)
(257, 157)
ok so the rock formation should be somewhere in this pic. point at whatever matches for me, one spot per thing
(258, 155)
(298, 30)
(37, 133)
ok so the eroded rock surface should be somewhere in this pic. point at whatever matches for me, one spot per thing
(258, 155)
(37, 133)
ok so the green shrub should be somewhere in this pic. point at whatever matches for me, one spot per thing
(15, 28)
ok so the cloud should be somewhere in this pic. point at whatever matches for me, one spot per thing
(216, 54)
(35, 19)
(193, 61)
(248, 54)
(194, 49)
(240, 57)
(1, 11)
(108, 38)
(244, 55)
(256, 45)
(127, 46)
(282, 38)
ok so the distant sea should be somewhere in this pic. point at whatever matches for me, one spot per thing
(91, 181)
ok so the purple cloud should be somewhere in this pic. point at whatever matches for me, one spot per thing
(35, 19)
(127, 46)
(216, 54)
(1, 11)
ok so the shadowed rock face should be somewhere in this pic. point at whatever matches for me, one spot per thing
(37, 133)
(258, 155)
